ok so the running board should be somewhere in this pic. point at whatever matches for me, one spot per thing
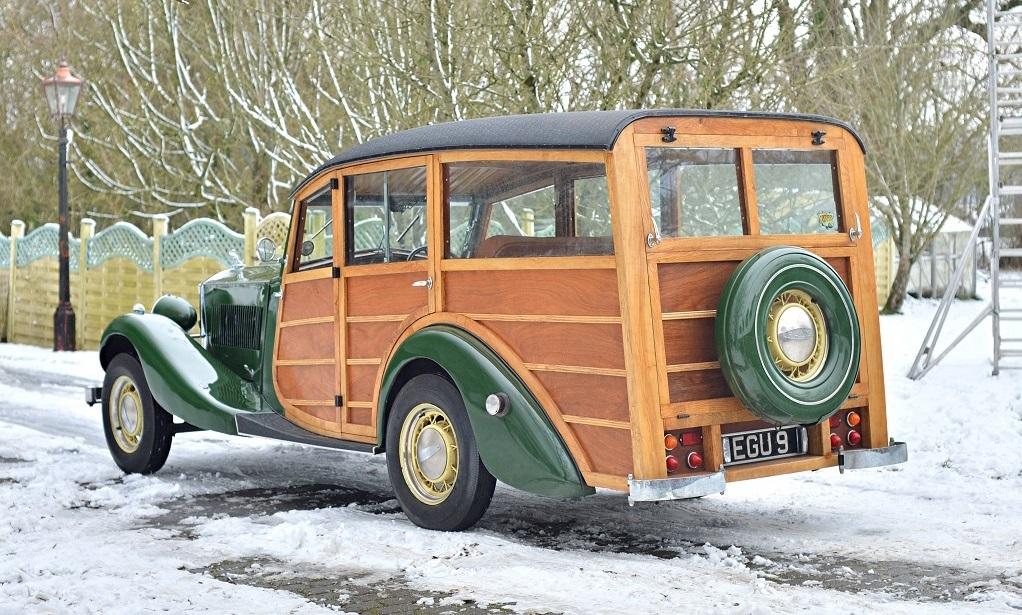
(275, 427)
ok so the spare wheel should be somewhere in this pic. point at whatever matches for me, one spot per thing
(787, 335)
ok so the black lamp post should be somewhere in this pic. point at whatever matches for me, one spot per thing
(62, 90)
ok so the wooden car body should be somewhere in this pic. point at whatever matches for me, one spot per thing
(597, 320)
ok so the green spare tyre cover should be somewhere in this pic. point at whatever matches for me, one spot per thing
(788, 336)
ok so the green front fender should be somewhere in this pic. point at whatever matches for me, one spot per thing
(522, 448)
(184, 379)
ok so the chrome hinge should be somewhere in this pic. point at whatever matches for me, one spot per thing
(427, 283)
(855, 233)
(653, 239)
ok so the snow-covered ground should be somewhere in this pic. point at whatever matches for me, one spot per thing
(940, 534)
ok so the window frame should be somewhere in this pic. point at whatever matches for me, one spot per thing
(580, 156)
(743, 146)
(295, 264)
(428, 163)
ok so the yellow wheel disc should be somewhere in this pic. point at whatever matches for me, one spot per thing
(428, 449)
(125, 410)
(797, 335)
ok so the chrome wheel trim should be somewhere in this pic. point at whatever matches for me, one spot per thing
(126, 414)
(797, 335)
(428, 453)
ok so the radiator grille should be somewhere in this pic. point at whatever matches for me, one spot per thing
(237, 326)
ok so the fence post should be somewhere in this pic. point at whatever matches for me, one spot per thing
(160, 224)
(251, 218)
(85, 233)
(17, 232)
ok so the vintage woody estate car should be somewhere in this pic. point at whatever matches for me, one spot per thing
(654, 302)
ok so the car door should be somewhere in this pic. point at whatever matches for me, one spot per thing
(387, 276)
(306, 356)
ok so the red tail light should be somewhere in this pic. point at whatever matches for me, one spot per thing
(835, 421)
(694, 460)
(672, 463)
(854, 438)
(835, 441)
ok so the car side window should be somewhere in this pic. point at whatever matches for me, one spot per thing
(386, 216)
(694, 191)
(316, 247)
(796, 191)
(505, 209)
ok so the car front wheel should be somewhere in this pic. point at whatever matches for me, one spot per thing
(138, 431)
(432, 458)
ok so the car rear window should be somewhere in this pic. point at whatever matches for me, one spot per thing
(694, 191)
(796, 191)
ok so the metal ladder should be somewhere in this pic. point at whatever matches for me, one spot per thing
(1004, 53)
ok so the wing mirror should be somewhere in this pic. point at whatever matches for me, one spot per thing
(266, 250)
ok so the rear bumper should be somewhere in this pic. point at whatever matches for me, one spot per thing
(680, 488)
(687, 487)
(896, 453)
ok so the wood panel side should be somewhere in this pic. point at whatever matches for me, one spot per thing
(386, 294)
(558, 343)
(587, 395)
(587, 292)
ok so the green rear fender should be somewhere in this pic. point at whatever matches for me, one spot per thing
(522, 448)
(184, 378)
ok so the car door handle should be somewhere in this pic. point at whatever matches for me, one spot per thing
(427, 283)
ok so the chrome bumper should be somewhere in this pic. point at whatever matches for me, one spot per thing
(897, 452)
(681, 488)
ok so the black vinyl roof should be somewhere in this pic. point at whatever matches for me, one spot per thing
(594, 130)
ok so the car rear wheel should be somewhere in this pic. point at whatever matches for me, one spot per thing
(787, 336)
(138, 431)
(432, 458)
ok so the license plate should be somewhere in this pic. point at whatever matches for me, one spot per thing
(763, 444)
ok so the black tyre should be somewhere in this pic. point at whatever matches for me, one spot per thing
(138, 431)
(432, 458)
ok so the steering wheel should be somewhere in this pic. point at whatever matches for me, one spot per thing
(414, 253)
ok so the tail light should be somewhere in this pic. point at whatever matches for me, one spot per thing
(835, 441)
(694, 460)
(672, 463)
(835, 421)
(670, 442)
(691, 438)
(854, 438)
(853, 419)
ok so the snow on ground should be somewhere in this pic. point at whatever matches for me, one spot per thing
(940, 534)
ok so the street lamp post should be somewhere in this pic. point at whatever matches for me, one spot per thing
(62, 90)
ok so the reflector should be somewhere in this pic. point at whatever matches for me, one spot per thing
(854, 438)
(853, 419)
(670, 442)
(835, 441)
(691, 438)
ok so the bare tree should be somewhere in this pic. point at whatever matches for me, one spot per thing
(913, 82)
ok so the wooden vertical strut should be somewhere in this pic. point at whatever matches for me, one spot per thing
(630, 230)
(1004, 39)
